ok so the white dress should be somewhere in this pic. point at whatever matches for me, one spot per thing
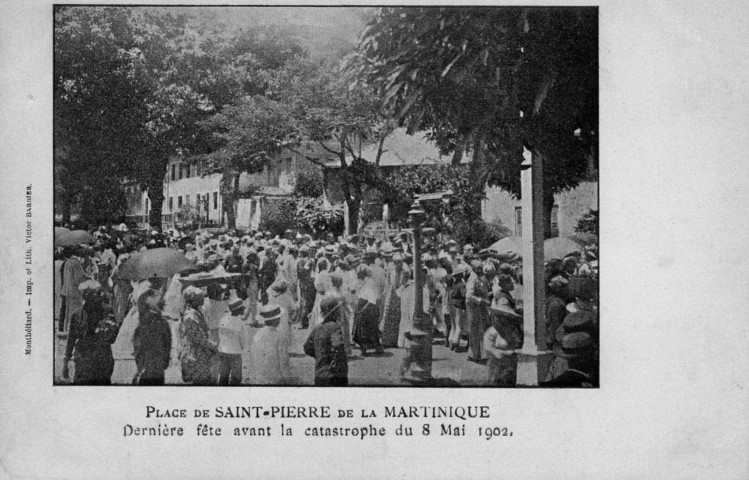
(269, 358)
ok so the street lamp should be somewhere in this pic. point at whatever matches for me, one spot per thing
(422, 344)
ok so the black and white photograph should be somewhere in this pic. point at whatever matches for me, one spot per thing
(405, 203)
(328, 196)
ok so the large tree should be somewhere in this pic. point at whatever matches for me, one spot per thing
(133, 85)
(491, 81)
(119, 114)
(244, 138)
(337, 117)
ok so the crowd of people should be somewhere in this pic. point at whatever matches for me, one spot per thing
(248, 292)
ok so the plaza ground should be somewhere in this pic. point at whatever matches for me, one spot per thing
(449, 368)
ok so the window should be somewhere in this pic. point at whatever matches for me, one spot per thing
(187, 171)
(519, 221)
(179, 201)
(181, 171)
(215, 200)
(187, 199)
(174, 172)
(555, 216)
(171, 203)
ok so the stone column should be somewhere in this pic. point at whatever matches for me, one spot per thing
(534, 358)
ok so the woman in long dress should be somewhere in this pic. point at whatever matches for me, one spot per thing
(504, 337)
(367, 317)
(174, 303)
(337, 294)
(478, 290)
(251, 281)
(197, 351)
(269, 353)
(278, 294)
(125, 369)
(92, 331)
(322, 285)
(392, 304)
(407, 294)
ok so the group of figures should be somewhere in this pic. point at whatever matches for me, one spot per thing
(355, 293)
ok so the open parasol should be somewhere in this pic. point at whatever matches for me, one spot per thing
(584, 239)
(65, 237)
(556, 247)
(157, 262)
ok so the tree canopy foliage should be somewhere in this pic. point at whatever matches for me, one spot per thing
(490, 81)
(134, 86)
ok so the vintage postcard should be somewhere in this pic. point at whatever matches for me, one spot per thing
(365, 241)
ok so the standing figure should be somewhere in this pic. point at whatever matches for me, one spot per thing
(458, 306)
(502, 341)
(367, 317)
(269, 353)
(152, 340)
(231, 345)
(278, 294)
(304, 266)
(336, 292)
(322, 285)
(73, 275)
(407, 294)
(267, 274)
(198, 350)
(392, 303)
(478, 291)
(252, 266)
(326, 344)
(92, 332)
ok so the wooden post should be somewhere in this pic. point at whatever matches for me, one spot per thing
(534, 359)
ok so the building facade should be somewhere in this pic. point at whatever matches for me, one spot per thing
(188, 192)
(500, 207)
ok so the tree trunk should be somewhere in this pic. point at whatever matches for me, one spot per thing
(548, 207)
(351, 194)
(460, 148)
(231, 218)
(354, 205)
(156, 196)
(66, 209)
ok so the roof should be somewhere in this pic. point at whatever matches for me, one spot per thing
(401, 149)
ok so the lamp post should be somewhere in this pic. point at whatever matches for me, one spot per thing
(422, 344)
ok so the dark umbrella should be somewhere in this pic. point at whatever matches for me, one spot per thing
(157, 262)
(72, 237)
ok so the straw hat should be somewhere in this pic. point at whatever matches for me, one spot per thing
(236, 305)
(193, 294)
(279, 287)
(89, 288)
(269, 315)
